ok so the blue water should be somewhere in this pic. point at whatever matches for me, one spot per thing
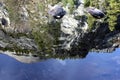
(96, 66)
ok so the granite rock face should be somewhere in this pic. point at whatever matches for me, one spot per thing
(33, 35)
(4, 16)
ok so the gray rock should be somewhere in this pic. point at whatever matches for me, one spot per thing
(23, 13)
(23, 58)
(73, 27)
(4, 16)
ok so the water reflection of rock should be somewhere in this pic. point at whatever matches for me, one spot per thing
(74, 38)
(25, 58)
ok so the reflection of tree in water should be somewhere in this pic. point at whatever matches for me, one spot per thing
(68, 40)
(80, 43)
(117, 27)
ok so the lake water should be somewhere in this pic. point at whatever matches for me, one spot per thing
(96, 66)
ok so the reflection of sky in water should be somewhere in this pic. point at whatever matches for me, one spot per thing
(93, 67)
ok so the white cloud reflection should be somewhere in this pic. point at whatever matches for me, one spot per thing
(63, 62)
(117, 59)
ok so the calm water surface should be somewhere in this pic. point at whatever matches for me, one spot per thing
(96, 66)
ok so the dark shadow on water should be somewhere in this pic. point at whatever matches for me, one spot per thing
(96, 66)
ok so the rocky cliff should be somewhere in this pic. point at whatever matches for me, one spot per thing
(30, 34)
